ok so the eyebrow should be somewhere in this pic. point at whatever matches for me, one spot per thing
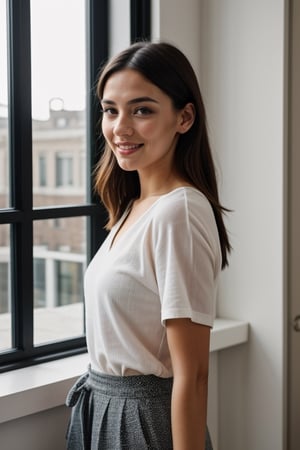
(131, 102)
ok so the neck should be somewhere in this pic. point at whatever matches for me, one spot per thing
(161, 186)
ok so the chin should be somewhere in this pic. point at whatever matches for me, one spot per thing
(127, 167)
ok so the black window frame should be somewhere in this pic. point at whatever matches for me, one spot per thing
(22, 214)
(140, 20)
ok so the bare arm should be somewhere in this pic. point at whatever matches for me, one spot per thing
(189, 348)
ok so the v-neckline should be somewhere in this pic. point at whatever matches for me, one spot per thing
(113, 242)
(117, 227)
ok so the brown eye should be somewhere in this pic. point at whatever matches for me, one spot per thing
(143, 111)
(109, 111)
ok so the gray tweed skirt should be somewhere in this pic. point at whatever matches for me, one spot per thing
(121, 413)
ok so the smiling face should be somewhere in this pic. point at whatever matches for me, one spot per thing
(140, 123)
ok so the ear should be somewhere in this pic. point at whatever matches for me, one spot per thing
(186, 118)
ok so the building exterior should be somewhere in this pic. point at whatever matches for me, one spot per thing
(58, 172)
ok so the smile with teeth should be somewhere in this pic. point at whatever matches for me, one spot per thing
(128, 148)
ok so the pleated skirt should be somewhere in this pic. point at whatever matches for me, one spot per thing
(121, 413)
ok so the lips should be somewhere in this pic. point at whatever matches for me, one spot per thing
(127, 148)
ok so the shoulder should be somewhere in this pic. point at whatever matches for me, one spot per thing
(184, 224)
(185, 217)
(182, 204)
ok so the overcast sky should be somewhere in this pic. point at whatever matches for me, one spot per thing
(58, 54)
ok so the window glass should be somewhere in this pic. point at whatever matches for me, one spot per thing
(68, 282)
(57, 46)
(43, 170)
(58, 101)
(4, 177)
(59, 264)
(64, 170)
(39, 276)
(5, 293)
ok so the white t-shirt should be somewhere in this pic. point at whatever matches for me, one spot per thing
(164, 266)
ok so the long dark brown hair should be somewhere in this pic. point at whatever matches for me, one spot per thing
(168, 68)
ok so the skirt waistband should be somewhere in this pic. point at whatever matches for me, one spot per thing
(133, 386)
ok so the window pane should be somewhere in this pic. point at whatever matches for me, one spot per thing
(39, 275)
(64, 170)
(58, 101)
(5, 292)
(4, 178)
(59, 264)
(42, 170)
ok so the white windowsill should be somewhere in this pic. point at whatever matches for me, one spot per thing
(44, 386)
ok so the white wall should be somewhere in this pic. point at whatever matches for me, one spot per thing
(177, 22)
(119, 25)
(238, 47)
(43, 431)
(242, 75)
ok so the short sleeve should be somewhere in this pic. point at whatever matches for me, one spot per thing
(187, 257)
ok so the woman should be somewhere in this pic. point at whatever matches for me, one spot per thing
(150, 289)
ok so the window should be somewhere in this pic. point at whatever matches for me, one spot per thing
(4, 154)
(39, 279)
(69, 282)
(43, 170)
(50, 221)
(64, 170)
(4, 306)
(47, 237)
(5, 291)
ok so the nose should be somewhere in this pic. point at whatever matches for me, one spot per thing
(123, 126)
